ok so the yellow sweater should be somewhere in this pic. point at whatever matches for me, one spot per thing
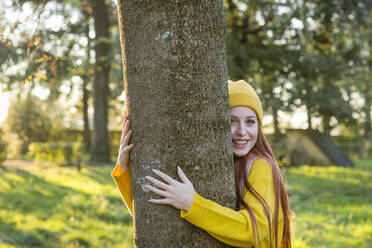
(227, 225)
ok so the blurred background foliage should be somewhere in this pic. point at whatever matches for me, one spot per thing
(309, 60)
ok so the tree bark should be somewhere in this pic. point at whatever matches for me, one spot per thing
(367, 124)
(100, 146)
(367, 110)
(326, 126)
(309, 121)
(176, 89)
(277, 132)
(86, 132)
(86, 79)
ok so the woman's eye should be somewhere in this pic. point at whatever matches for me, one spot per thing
(251, 122)
(232, 121)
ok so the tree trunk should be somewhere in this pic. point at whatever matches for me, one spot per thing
(176, 90)
(100, 147)
(367, 110)
(86, 132)
(277, 132)
(326, 126)
(367, 124)
(86, 79)
(309, 122)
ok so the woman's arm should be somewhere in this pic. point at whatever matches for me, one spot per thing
(227, 225)
(177, 194)
(121, 172)
(124, 184)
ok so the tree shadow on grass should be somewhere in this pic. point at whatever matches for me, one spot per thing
(99, 175)
(9, 234)
(32, 195)
(29, 199)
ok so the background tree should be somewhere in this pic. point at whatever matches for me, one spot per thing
(60, 58)
(100, 144)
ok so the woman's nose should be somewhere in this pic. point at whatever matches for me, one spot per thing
(242, 129)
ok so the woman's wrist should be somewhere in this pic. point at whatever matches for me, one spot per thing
(189, 202)
(123, 167)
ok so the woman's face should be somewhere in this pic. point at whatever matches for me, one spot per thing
(244, 129)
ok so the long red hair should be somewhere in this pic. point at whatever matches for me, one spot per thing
(263, 150)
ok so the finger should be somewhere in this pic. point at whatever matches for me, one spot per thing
(127, 138)
(122, 132)
(130, 147)
(182, 175)
(158, 183)
(157, 191)
(126, 127)
(124, 121)
(160, 201)
(165, 177)
(126, 149)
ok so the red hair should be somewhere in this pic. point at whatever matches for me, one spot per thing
(263, 150)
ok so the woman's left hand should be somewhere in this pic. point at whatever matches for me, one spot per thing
(177, 194)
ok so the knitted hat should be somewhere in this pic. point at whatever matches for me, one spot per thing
(242, 94)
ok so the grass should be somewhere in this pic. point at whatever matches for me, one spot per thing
(332, 205)
(59, 207)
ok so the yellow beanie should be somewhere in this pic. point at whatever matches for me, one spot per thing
(242, 94)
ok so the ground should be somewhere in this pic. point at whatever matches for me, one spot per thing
(49, 206)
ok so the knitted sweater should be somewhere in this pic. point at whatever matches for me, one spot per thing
(227, 225)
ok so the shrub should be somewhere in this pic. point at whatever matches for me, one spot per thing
(31, 120)
(2, 151)
(57, 152)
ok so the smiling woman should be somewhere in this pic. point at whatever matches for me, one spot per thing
(244, 129)
(262, 215)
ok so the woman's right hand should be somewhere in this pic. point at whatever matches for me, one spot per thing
(125, 148)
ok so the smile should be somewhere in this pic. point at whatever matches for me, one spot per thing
(240, 142)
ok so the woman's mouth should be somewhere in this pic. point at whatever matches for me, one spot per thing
(240, 143)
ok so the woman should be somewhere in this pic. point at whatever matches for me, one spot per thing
(264, 216)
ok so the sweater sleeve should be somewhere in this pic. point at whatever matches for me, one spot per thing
(124, 184)
(235, 227)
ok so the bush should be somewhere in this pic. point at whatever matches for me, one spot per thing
(2, 151)
(31, 120)
(56, 152)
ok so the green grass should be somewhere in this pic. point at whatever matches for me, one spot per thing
(332, 205)
(59, 207)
